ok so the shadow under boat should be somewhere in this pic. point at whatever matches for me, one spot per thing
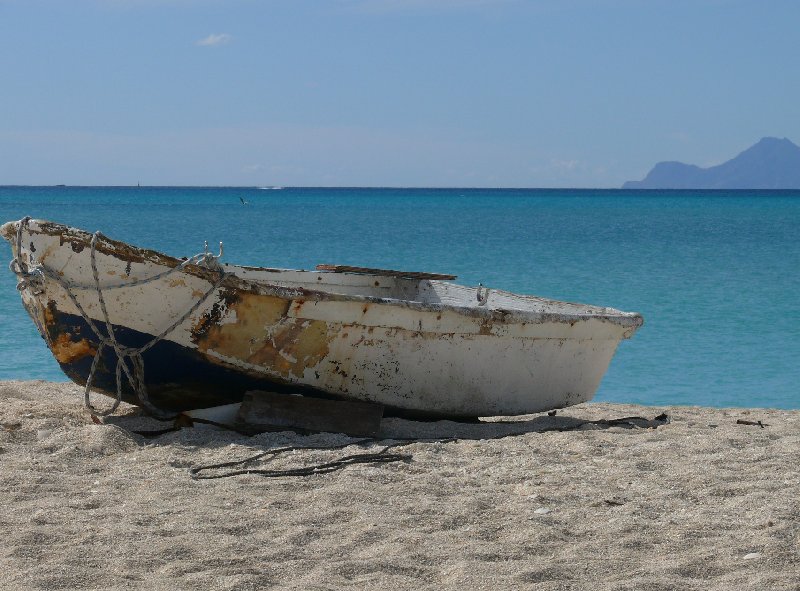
(393, 428)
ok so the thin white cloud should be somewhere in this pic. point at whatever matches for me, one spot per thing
(215, 39)
(563, 165)
(287, 155)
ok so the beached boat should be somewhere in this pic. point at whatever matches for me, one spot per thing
(193, 333)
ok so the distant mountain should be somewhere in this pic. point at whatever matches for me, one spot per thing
(772, 163)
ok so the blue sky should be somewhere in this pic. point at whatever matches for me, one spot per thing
(506, 93)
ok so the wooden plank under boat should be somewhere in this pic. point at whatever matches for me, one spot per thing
(407, 341)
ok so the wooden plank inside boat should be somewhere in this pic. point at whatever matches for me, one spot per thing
(271, 411)
(384, 272)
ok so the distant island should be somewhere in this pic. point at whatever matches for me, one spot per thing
(772, 163)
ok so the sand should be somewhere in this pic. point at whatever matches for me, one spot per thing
(699, 503)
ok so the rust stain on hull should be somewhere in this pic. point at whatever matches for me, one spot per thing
(49, 314)
(59, 338)
(65, 350)
(263, 335)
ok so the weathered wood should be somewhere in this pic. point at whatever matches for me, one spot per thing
(270, 411)
(384, 272)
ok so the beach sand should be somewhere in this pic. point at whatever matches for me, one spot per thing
(698, 503)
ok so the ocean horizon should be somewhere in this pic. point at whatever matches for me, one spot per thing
(713, 272)
(398, 187)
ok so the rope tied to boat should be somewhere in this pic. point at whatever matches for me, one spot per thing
(130, 360)
(482, 295)
(29, 277)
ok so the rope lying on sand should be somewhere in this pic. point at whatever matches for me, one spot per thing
(380, 457)
(33, 276)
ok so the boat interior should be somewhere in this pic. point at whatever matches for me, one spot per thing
(411, 286)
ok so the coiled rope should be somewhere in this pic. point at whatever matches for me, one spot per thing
(130, 361)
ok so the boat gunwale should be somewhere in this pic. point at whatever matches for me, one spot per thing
(130, 253)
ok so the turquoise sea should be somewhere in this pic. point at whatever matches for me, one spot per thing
(716, 274)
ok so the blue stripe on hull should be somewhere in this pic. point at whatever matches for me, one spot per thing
(177, 378)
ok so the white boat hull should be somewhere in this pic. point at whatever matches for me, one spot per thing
(353, 336)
